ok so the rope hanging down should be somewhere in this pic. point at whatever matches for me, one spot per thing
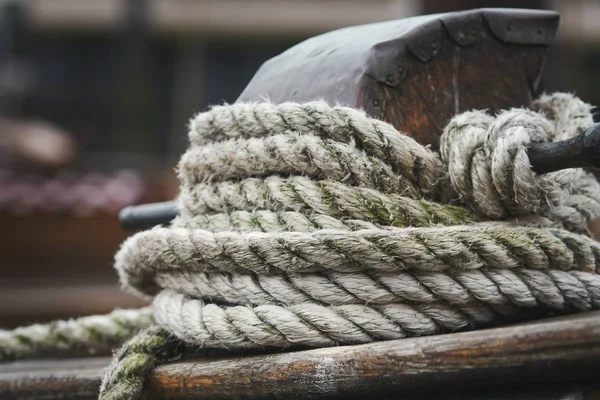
(306, 224)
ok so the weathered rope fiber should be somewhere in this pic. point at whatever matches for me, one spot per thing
(340, 124)
(496, 288)
(480, 150)
(429, 249)
(313, 225)
(318, 200)
(331, 198)
(90, 334)
(124, 378)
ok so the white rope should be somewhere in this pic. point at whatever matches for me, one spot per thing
(316, 225)
(91, 334)
(312, 225)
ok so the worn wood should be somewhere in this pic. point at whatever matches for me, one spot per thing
(491, 75)
(532, 360)
(52, 379)
(418, 72)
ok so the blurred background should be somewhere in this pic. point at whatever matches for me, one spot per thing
(95, 96)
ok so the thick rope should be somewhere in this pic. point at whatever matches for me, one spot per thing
(312, 225)
(480, 150)
(135, 360)
(497, 288)
(345, 125)
(315, 225)
(91, 334)
(428, 249)
(290, 153)
(327, 197)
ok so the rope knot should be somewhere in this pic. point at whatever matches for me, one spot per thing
(479, 149)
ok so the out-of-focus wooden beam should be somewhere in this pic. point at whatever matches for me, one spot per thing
(235, 17)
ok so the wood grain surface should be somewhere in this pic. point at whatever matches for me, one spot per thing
(491, 75)
(550, 359)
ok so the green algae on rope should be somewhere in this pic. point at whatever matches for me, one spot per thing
(88, 334)
(346, 125)
(384, 250)
(124, 378)
(264, 254)
(326, 197)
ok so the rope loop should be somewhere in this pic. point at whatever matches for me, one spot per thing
(487, 162)
(479, 149)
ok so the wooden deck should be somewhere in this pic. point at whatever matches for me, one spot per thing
(557, 358)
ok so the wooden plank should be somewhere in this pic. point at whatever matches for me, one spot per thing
(52, 379)
(512, 360)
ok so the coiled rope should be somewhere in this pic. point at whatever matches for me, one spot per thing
(313, 225)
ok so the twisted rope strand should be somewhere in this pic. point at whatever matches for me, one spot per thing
(322, 197)
(305, 154)
(267, 221)
(346, 125)
(430, 249)
(498, 288)
(124, 378)
(307, 324)
(89, 334)
(570, 115)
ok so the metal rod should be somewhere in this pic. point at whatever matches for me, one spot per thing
(582, 151)
(134, 218)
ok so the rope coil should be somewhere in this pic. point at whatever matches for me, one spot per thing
(317, 225)
(313, 225)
